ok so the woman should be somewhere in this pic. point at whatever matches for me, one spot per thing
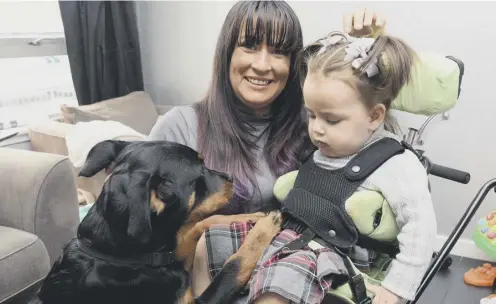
(251, 123)
(251, 119)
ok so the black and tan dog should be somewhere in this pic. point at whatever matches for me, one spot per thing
(137, 243)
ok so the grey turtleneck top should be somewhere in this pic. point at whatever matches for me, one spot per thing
(180, 124)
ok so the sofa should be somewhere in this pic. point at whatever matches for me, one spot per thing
(135, 110)
(41, 195)
(38, 216)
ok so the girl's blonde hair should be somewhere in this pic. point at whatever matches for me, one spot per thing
(392, 57)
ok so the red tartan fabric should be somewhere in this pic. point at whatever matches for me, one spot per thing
(301, 276)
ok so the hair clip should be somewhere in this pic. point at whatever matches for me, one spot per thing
(331, 39)
(357, 52)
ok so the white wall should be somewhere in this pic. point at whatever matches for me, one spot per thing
(178, 41)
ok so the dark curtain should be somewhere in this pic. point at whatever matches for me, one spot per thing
(103, 48)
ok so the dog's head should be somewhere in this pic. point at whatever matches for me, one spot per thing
(153, 189)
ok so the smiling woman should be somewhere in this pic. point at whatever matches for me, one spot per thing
(256, 53)
(258, 74)
(253, 106)
(260, 64)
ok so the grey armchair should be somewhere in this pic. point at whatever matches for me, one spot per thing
(38, 216)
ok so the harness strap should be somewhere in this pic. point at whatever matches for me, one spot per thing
(356, 281)
(390, 248)
(307, 236)
(371, 158)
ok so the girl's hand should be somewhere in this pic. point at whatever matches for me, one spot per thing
(384, 296)
(364, 23)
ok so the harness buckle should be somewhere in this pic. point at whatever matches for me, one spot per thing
(368, 300)
(358, 288)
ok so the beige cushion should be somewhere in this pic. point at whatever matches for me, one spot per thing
(24, 261)
(49, 137)
(135, 110)
(93, 185)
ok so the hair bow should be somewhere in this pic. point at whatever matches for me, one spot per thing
(332, 39)
(357, 52)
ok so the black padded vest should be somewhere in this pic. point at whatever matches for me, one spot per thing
(318, 197)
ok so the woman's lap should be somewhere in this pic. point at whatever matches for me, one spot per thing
(302, 276)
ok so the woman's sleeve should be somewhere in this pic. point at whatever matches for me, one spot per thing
(172, 126)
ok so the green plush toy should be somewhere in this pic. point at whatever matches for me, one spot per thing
(363, 207)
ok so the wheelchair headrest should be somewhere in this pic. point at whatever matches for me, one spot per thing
(434, 86)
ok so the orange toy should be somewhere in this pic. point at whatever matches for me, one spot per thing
(480, 276)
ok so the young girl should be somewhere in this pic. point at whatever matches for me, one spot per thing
(348, 89)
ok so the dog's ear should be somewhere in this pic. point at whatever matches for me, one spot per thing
(214, 180)
(139, 223)
(101, 156)
(209, 182)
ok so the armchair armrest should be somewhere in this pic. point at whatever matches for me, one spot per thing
(38, 195)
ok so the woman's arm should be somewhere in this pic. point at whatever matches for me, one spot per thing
(435, 79)
(364, 23)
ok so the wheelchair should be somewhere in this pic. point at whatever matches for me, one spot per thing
(437, 80)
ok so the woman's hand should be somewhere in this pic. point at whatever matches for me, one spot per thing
(364, 23)
(384, 296)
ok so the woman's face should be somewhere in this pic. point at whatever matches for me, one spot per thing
(258, 74)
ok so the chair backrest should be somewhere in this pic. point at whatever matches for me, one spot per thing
(434, 87)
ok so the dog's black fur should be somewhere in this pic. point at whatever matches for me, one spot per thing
(124, 223)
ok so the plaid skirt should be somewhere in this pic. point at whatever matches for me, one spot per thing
(301, 276)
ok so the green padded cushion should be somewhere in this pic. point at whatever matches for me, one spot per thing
(434, 86)
(362, 207)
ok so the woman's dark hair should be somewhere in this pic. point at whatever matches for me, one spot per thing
(226, 140)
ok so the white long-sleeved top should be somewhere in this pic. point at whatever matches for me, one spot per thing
(403, 182)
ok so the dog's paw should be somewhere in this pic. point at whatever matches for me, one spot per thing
(230, 219)
(258, 238)
(269, 225)
(277, 218)
(253, 217)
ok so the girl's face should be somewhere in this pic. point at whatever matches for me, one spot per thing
(258, 74)
(339, 121)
